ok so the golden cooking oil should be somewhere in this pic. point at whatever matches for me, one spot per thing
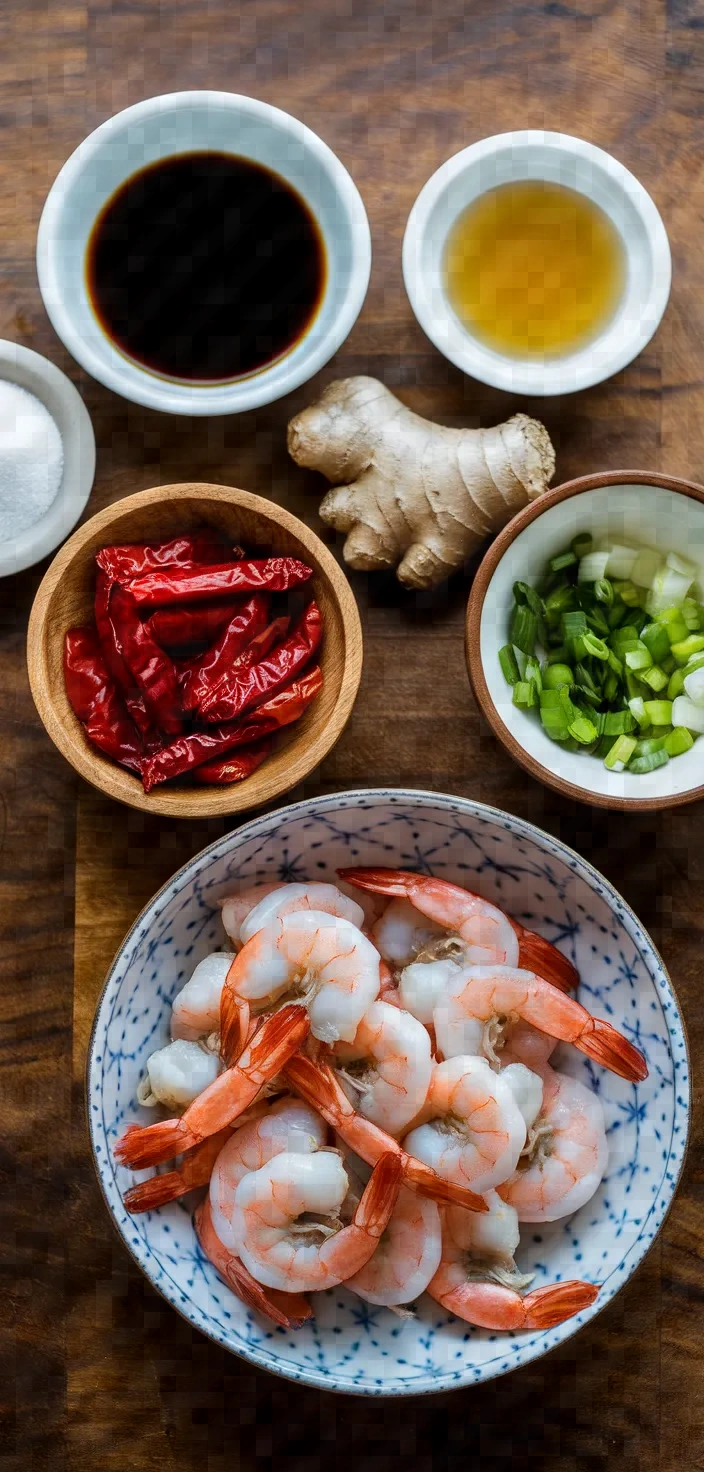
(534, 269)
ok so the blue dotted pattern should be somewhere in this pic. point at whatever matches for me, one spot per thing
(349, 1345)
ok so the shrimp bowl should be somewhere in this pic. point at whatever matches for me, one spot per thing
(388, 1092)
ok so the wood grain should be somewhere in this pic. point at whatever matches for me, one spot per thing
(104, 1375)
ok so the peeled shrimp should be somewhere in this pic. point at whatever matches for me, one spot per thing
(475, 1130)
(288, 1310)
(196, 1008)
(491, 1305)
(292, 898)
(317, 1084)
(386, 1070)
(177, 1074)
(289, 1124)
(235, 1089)
(402, 931)
(478, 999)
(286, 1220)
(324, 962)
(565, 1156)
(407, 1256)
(491, 1239)
(236, 907)
(490, 936)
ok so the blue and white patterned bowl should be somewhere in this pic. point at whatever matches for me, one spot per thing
(349, 1345)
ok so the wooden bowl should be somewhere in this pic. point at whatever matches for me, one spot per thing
(628, 506)
(65, 599)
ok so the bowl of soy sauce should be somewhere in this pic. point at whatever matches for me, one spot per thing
(203, 253)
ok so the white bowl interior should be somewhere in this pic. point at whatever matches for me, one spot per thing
(53, 389)
(350, 1345)
(183, 123)
(558, 159)
(631, 515)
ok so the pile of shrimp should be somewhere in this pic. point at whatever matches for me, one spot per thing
(364, 1086)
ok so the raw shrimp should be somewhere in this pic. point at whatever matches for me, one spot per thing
(491, 1305)
(386, 1070)
(317, 1083)
(289, 1124)
(475, 1130)
(565, 1156)
(235, 1089)
(196, 1008)
(408, 1254)
(177, 1074)
(292, 898)
(490, 936)
(236, 907)
(286, 1220)
(288, 1310)
(492, 1240)
(324, 962)
(481, 998)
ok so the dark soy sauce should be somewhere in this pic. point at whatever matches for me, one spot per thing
(205, 267)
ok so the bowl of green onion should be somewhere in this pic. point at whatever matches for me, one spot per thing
(585, 639)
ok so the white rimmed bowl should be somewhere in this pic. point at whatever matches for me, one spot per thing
(560, 159)
(187, 122)
(351, 1346)
(56, 392)
(627, 505)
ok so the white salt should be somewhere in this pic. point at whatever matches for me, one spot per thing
(31, 460)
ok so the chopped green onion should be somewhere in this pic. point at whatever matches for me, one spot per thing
(620, 753)
(659, 712)
(533, 673)
(654, 636)
(645, 567)
(676, 684)
(650, 744)
(583, 730)
(655, 678)
(691, 615)
(524, 594)
(558, 655)
(633, 685)
(565, 559)
(628, 593)
(509, 666)
(596, 647)
(686, 713)
(642, 764)
(604, 591)
(611, 684)
(592, 567)
(694, 685)
(678, 741)
(560, 600)
(574, 622)
(554, 723)
(556, 675)
(581, 544)
(525, 694)
(637, 709)
(685, 648)
(618, 722)
(616, 613)
(638, 659)
(524, 628)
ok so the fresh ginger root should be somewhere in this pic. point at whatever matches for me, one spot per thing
(407, 489)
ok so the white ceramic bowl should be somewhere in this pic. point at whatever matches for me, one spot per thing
(351, 1346)
(628, 506)
(56, 392)
(560, 159)
(185, 122)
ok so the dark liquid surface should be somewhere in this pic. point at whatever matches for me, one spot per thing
(205, 266)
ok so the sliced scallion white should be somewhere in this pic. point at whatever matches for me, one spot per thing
(621, 562)
(686, 713)
(694, 686)
(593, 567)
(668, 587)
(681, 565)
(647, 564)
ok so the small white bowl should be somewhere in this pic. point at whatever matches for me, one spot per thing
(628, 506)
(56, 392)
(188, 122)
(559, 159)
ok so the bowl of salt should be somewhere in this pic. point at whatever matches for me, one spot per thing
(47, 457)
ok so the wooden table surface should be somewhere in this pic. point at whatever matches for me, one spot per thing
(103, 1374)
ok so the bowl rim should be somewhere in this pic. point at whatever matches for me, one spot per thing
(475, 606)
(149, 390)
(429, 799)
(500, 371)
(109, 778)
(30, 370)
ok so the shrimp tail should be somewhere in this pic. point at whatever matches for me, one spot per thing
(195, 1171)
(287, 1310)
(380, 1195)
(541, 956)
(317, 1084)
(223, 1100)
(546, 1307)
(234, 1022)
(394, 882)
(600, 1041)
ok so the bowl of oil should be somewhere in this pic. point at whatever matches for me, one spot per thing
(248, 262)
(536, 263)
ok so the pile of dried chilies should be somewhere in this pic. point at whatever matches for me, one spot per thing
(185, 672)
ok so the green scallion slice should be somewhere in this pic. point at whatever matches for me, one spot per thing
(509, 665)
(524, 628)
(639, 765)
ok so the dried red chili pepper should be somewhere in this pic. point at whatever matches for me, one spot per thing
(203, 746)
(151, 667)
(134, 559)
(201, 682)
(248, 622)
(95, 700)
(241, 690)
(116, 664)
(195, 584)
(229, 769)
(177, 628)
